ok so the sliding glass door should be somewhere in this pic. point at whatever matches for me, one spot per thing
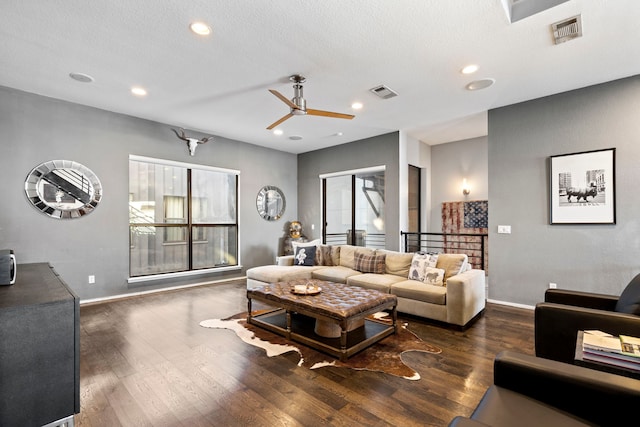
(354, 209)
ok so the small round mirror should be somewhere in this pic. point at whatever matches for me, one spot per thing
(270, 203)
(63, 189)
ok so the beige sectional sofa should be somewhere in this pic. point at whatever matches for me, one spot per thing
(458, 301)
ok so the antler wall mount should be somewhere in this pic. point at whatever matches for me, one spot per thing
(192, 143)
(298, 104)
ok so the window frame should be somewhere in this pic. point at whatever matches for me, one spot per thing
(353, 173)
(189, 224)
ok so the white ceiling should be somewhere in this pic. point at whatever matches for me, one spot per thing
(219, 85)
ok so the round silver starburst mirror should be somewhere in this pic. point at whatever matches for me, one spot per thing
(63, 189)
(270, 203)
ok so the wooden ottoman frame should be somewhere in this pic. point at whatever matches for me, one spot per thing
(338, 304)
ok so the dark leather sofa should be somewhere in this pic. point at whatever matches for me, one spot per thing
(532, 391)
(565, 312)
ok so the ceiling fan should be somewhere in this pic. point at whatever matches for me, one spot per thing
(298, 104)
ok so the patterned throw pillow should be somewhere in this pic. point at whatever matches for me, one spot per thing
(434, 276)
(419, 265)
(323, 256)
(305, 255)
(432, 258)
(370, 263)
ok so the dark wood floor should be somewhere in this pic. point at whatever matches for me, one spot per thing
(145, 361)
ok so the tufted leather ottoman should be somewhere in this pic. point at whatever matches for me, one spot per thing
(337, 307)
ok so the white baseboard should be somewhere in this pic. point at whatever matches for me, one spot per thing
(155, 291)
(511, 304)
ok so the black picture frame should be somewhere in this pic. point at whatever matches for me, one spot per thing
(582, 187)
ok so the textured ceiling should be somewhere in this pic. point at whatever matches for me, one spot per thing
(219, 85)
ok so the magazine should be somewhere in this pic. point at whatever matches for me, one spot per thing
(601, 341)
(611, 359)
(622, 351)
(630, 345)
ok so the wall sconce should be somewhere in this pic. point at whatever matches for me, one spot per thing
(465, 187)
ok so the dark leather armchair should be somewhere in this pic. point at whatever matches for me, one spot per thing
(532, 391)
(565, 312)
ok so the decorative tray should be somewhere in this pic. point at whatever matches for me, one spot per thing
(308, 290)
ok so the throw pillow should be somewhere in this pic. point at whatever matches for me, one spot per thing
(419, 265)
(305, 255)
(629, 301)
(335, 255)
(432, 259)
(323, 255)
(348, 253)
(452, 264)
(370, 263)
(296, 245)
(434, 276)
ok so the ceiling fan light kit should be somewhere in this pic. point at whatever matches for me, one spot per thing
(298, 105)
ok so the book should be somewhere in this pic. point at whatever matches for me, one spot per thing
(630, 345)
(623, 351)
(601, 341)
(611, 359)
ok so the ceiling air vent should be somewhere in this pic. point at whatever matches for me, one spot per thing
(383, 92)
(568, 29)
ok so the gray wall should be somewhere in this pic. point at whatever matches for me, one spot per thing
(450, 164)
(599, 258)
(35, 129)
(376, 151)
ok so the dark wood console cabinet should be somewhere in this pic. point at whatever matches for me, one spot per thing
(39, 348)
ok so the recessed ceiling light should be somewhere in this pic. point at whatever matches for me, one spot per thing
(200, 28)
(81, 77)
(277, 132)
(480, 84)
(295, 137)
(469, 69)
(356, 105)
(338, 134)
(138, 91)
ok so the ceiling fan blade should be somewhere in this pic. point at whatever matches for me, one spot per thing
(284, 99)
(329, 114)
(288, 116)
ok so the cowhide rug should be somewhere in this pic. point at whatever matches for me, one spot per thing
(384, 356)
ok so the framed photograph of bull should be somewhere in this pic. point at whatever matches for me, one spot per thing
(583, 188)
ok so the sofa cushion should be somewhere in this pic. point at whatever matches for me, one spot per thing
(434, 276)
(370, 263)
(276, 273)
(397, 263)
(380, 282)
(452, 264)
(629, 301)
(305, 255)
(419, 291)
(347, 256)
(336, 274)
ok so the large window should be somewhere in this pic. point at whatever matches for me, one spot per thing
(181, 217)
(354, 205)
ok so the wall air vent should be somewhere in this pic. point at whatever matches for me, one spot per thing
(383, 92)
(566, 30)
